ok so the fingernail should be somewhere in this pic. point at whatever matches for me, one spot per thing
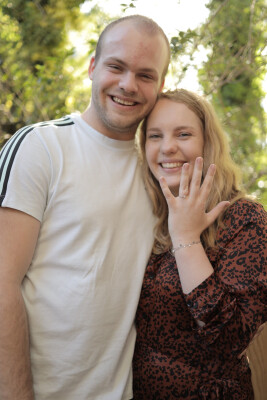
(213, 168)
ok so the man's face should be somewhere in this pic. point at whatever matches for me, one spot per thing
(126, 80)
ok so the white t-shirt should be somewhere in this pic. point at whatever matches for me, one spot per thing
(82, 288)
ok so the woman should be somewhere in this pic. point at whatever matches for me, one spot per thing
(204, 291)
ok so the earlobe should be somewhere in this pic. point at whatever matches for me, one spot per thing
(91, 67)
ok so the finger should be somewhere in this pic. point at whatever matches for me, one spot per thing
(216, 211)
(197, 176)
(207, 182)
(165, 190)
(184, 181)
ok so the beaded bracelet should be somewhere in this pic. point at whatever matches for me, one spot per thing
(182, 246)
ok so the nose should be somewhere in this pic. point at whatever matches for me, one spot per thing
(169, 145)
(128, 82)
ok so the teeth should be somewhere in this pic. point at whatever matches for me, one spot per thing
(171, 165)
(124, 102)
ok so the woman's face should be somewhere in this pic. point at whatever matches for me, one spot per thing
(173, 137)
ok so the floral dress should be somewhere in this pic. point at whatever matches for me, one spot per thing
(191, 346)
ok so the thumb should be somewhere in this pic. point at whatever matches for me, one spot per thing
(216, 211)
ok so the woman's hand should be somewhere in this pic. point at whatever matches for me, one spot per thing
(187, 212)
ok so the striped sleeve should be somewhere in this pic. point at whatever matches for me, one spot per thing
(11, 148)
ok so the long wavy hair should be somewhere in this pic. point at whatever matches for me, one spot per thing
(227, 180)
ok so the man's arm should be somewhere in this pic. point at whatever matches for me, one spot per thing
(18, 236)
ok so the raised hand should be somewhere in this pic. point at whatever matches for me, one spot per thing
(187, 212)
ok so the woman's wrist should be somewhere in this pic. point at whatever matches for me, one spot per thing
(183, 239)
(183, 245)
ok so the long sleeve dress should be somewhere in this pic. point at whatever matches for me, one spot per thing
(191, 346)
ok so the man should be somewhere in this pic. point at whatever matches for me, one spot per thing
(77, 230)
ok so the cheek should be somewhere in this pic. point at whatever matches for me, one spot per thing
(150, 156)
(150, 92)
(193, 150)
(105, 79)
(201, 146)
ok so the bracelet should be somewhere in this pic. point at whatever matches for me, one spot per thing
(182, 246)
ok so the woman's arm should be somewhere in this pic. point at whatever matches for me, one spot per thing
(224, 291)
(187, 220)
(232, 302)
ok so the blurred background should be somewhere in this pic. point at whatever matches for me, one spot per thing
(218, 49)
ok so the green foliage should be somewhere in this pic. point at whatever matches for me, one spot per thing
(181, 43)
(232, 77)
(33, 53)
(234, 38)
(42, 70)
(125, 6)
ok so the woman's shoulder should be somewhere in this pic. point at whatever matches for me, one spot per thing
(245, 210)
(243, 214)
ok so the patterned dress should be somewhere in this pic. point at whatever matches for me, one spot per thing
(178, 357)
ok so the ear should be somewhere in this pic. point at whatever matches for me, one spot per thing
(91, 67)
(161, 86)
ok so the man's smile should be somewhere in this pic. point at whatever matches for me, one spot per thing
(123, 102)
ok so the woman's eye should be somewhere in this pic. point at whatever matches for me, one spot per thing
(153, 136)
(184, 134)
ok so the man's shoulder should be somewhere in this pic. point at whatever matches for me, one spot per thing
(60, 122)
(39, 126)
(42, 128)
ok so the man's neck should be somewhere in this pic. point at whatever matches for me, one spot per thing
(89, 116)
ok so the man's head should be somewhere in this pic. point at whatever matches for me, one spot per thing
(128, 72)
(145, 24)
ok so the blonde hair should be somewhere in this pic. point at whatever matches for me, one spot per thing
(227, 180)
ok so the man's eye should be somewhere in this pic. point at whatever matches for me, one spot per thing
(145, 76)
(114, 67)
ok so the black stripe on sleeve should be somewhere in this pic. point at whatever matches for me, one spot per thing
(9, 151)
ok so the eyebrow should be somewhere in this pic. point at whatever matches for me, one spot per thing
(177, 128)
(153, 129)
